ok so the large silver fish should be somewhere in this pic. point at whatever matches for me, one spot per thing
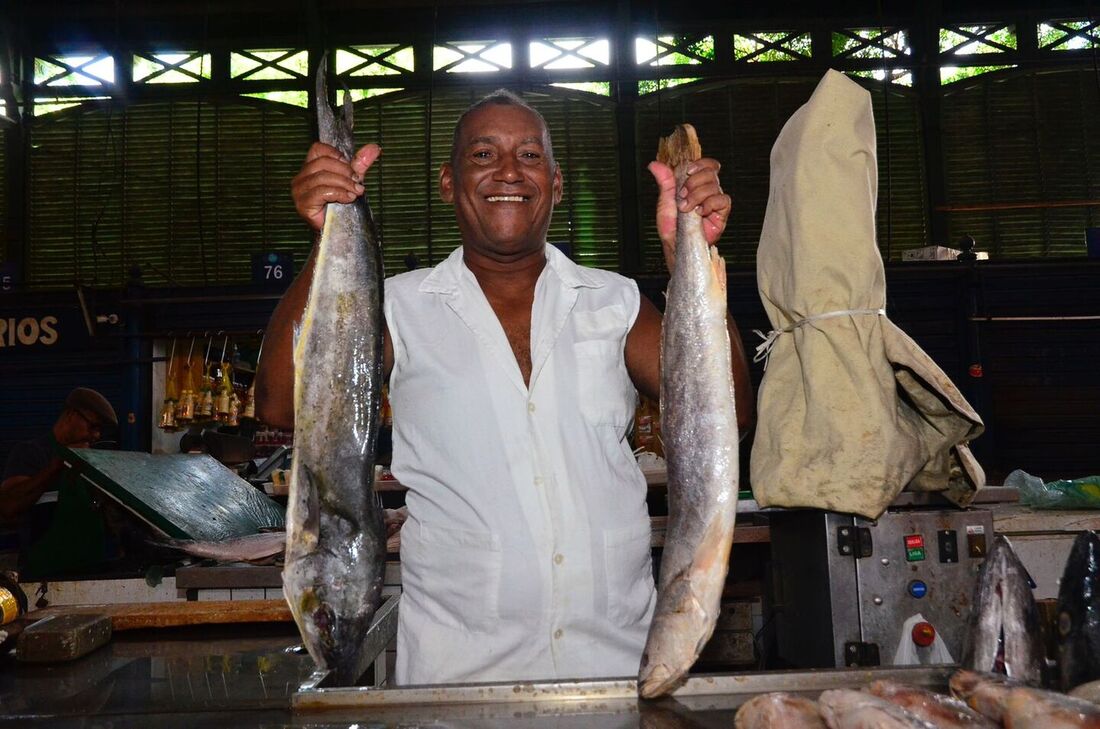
(336, 541)
(1004, 631)
(946, 712)
(778, 710)
(1023, 707)
(699, 425)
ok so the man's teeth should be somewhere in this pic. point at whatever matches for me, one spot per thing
(506, 198)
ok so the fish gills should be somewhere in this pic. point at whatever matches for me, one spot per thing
(847, 709)
(946, 712)
(1004, 634)
(699, 428)
(778, 710)
(335, 553)
(1079, 613)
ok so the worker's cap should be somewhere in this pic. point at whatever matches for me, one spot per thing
(83, 398)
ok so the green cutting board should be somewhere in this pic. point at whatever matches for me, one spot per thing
(184, 496)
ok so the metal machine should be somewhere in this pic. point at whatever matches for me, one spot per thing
(854, 592)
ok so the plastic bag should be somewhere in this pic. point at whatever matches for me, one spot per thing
(909, 653)
(1080, 493)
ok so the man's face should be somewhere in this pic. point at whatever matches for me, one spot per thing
(503, 184)
(80, 429)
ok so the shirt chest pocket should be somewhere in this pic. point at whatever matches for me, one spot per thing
(605, 392)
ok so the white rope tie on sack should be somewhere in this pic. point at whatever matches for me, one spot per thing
(764, 349)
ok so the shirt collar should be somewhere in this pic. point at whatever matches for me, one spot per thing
(445, 277)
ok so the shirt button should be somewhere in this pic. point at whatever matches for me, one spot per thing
(538, 480)
(558, 559)
(557, 634)
(530, 407)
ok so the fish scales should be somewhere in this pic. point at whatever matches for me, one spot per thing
(946, 712)
(848, 709)
(1018, 706)
(699, 429)
(778, 710)
(335, 554)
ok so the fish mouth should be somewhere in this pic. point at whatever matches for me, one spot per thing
(507, 198)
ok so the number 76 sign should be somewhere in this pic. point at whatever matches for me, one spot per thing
(273, 269)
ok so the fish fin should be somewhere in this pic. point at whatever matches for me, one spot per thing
(326, 120)
(719, 265)
(713, 551)
(349, 111)
(312, 522)
(679, 148)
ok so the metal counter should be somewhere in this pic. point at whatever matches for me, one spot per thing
(702, 701)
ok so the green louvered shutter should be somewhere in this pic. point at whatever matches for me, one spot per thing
(1023, 137)
(738, 122)
(184, 190)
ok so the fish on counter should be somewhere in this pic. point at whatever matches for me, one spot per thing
(1004, 630)
(1088, 691)
(1023, 707)
(848, 709)
(946, 712)
(699, 429)
(336, 540)
(1078, 631)
(256, 548)
(778, 709)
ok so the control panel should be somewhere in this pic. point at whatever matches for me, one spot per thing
(917, 573)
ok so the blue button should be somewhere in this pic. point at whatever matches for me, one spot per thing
(918, 589)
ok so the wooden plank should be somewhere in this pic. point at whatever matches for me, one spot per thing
(183, 496)
(742, 533)
(137, 616)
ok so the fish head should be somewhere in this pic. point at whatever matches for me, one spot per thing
(333, 610)
(674, 643)
(502, 180)
(1078, 622)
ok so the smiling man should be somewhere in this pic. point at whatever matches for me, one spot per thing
(513, 375)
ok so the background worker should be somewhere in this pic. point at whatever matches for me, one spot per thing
(71, 534)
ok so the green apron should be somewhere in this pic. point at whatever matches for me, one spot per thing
(76, 539)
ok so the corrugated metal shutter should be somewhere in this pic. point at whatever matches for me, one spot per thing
(738, 122)
(185, 190)
(404, 190)
(1023, 137)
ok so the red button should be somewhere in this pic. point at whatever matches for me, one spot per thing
(924, 634)
(913, 541)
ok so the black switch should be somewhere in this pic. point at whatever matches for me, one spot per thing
(866, 545)
(975, 544)
(949, 545)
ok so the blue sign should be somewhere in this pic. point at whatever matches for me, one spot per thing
(9, 276)
(273, 269)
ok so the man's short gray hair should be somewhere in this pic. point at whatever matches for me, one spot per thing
(500, 97)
